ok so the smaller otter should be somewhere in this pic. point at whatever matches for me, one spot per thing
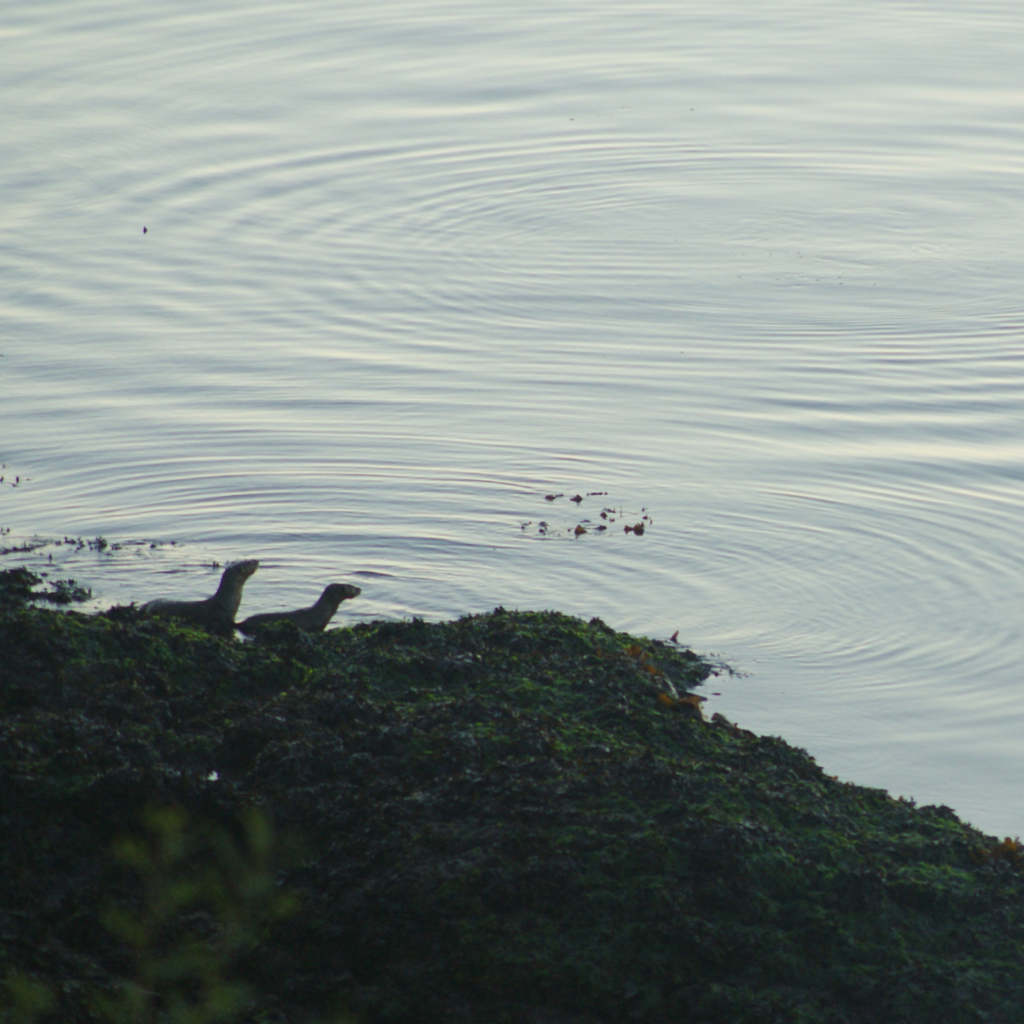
(313, 619)
(216, 613)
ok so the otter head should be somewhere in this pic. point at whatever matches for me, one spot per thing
(338, 592)
(239, 572)
(229, 593)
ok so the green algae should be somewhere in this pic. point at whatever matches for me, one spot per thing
(513, 817)
(17, 586)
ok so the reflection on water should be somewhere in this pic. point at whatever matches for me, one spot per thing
(751, 271)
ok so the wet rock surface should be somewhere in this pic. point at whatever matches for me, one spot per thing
(514, 817)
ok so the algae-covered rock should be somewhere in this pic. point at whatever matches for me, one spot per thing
(514, 817)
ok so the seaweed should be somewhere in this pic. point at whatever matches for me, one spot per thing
(16, 588)
(511, 818)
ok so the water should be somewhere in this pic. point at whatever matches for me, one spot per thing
(751, 269)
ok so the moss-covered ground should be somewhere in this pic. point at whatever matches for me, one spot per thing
(514, 818)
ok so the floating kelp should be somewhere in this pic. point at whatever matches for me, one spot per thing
(606, 515)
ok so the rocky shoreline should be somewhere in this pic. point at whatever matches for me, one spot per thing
(513, 818)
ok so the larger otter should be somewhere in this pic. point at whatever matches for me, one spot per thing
(313, 619)
(216, 613)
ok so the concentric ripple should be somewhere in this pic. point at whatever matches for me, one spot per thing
(407, 269)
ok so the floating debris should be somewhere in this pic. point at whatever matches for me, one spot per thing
(607, 514)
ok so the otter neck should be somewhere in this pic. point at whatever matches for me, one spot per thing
(228, 586)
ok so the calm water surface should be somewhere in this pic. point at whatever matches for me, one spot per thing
(752, 269)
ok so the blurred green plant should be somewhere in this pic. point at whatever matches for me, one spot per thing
(26, 999)
(206, 900)
(225, 890)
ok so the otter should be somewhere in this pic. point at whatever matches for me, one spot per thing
(216, 613)
(313, 619)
